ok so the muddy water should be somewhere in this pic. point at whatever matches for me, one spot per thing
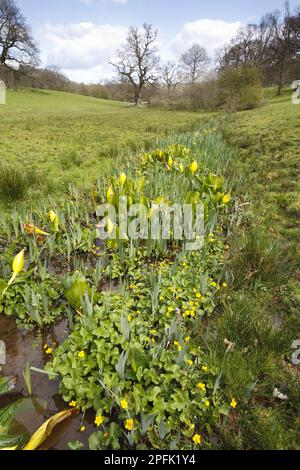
(23, 347)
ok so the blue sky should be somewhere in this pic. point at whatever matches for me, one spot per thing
(80, 36)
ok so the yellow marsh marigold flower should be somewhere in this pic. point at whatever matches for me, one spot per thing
(99, 420)
(194, 167)
(201, 386)
(179, 347)
(129, 424)
(233, 403)
(122, 178)
(81, 354)
(73, 404)
(189, 362)
(197, 439)
(124, 404)
(226, 199)
(49, 351)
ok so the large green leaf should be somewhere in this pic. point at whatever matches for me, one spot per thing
(7, 441)
(7, 384)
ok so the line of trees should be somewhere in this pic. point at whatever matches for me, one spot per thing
(266, 53)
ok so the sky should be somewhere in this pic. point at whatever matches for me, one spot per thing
(81, 36)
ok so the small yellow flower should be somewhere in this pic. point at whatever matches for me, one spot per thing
(194, 167)
(153, 332)
(201, 386)
(99, 420)
(49, 351)
(197, 439)
(233, 403)
(46, 346)
(73, 404)
(124, 404)
(110, 194)
(224, 285)
(129, 318)
(170, 162)
(189, 362)
(213, 284)
(122, 178)
(129, 424)
(207, 403)
(198, 296)
(82, 429)
(204, 368)
(179, 347)
(81, 354)
(226, 199)
(187, 339)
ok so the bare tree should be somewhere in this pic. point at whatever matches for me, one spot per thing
(17, 45)
(169, 75)
(285, 45)
(194, 63)
(138, 61)
(273, 45)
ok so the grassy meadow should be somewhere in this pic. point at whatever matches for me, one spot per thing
(52, 139)
(194, 349)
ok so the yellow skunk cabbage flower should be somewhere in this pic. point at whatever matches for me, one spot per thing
(226, 199)
(110, 194)
(123, 178)
(194, 167)
(110, 226)
(18, 263)
(17, 267)
(52, 216)
(170, 162)
(54, 219)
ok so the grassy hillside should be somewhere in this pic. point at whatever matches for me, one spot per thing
(61, 138)
(262, 319)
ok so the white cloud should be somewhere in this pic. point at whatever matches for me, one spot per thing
(210, 34)
(81, 49)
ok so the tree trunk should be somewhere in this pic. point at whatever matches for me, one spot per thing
(138, 97)
(280, 83)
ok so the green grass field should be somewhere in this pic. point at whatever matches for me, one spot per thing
(61, 138)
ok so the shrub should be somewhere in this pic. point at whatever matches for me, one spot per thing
(240, 88)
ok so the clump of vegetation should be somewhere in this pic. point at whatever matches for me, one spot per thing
(240, 88)
(15, 181)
